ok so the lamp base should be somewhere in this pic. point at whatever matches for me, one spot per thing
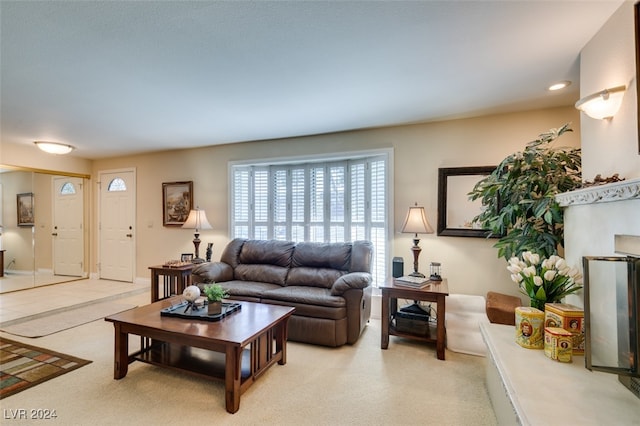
(416, 274)
(197, 260)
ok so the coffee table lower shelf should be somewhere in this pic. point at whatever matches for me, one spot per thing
(196, 361)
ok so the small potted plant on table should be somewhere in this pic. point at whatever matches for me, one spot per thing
(215, 293)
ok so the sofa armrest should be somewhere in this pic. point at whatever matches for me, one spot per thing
(349, 281)
(212, 272)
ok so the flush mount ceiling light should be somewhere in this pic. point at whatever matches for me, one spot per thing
(54, 147)
(604, 104)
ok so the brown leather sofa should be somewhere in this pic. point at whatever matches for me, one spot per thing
(328, 284)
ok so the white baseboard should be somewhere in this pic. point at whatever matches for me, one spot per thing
(136, 280)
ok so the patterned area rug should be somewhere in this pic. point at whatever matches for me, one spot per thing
(24, 366)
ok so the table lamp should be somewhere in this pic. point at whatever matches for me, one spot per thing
(197, 220)
(416, 223)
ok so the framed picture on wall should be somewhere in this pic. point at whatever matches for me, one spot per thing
(177, 201)
(455, 210)
(25, 209)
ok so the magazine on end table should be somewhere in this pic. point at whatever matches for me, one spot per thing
(411, 281)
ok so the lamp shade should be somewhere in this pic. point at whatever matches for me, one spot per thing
(197, 220)
(54, 147)
(604, 104)
(416, 222)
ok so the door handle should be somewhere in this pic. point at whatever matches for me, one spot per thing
(129, 235)
(55, 234)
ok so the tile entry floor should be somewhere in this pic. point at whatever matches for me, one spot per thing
(18, 305)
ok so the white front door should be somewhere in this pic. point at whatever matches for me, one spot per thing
(116, 225)
(67, 226)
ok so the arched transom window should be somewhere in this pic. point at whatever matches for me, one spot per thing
(117, 184)
(67, 189)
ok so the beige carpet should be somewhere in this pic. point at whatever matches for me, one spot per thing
(351, 385)
(49, 324)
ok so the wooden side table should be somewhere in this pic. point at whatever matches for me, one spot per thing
(175, 280)
(434, 292)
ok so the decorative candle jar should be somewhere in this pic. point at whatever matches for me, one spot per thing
(435, 271)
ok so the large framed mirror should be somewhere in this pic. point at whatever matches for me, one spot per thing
(455, 210)
(53, 248)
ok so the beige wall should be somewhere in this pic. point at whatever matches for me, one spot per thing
(608, 60)
(608, 146)
(470, 264)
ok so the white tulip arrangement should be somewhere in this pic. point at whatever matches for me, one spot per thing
(544, 281)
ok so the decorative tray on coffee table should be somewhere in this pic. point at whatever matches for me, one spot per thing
(183, 310)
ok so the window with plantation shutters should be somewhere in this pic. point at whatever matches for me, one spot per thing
(333, 201)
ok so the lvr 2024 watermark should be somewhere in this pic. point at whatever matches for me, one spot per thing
(28, 414)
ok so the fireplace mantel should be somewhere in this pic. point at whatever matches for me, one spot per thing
(617, 191)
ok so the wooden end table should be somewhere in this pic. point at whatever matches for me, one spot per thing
(237, 349)
(175, 280)
(434, 292)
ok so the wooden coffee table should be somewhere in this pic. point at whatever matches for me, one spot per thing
(236, 349)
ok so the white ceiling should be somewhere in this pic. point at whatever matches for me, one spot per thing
(114, 78)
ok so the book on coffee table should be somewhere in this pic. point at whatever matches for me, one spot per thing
(413, 282)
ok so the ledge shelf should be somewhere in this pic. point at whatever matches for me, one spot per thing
(527, 388)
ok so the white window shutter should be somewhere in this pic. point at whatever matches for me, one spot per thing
(320, 202)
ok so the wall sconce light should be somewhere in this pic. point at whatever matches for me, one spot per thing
(604, 104)
(416, 223)
(54, 147)
(197, 220)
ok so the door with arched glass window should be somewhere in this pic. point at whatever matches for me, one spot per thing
(68, 226)
(116, 225)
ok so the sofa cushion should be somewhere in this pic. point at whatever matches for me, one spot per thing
(313, 277)
(247, 288)
(262, 273)
(312, 311)
(322, 255)
(304, 295)
(361, 254)
(232, 251)
(266, 252)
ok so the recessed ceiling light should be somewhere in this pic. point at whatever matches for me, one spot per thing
(559, 85)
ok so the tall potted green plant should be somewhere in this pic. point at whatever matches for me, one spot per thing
(519, 196)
